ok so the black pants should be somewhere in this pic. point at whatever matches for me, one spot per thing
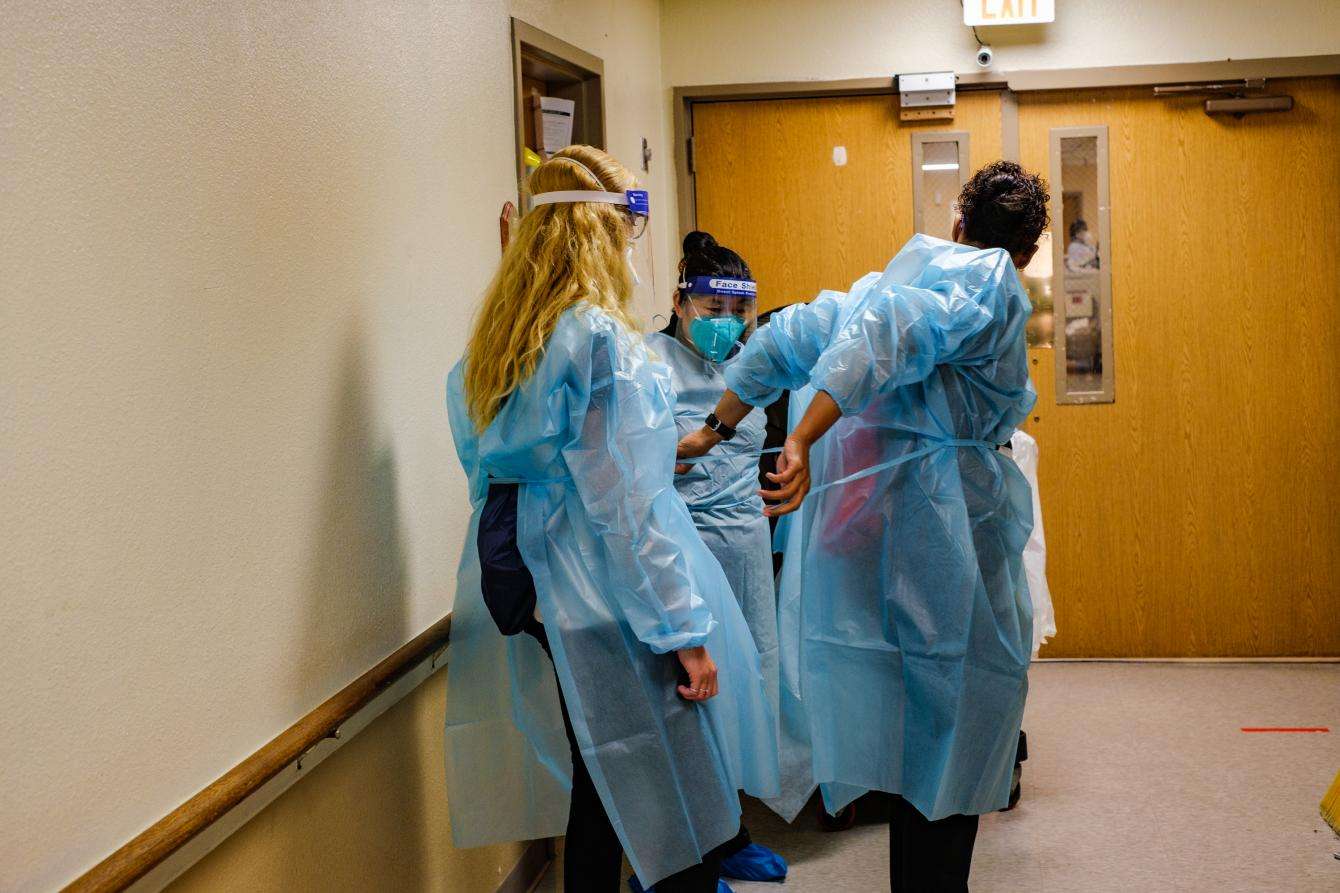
(926, 856)
(592, 854)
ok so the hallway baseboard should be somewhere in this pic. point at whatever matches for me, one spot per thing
(534, 861)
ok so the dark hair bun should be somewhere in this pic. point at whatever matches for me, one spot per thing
(698, 242)
(704, 257)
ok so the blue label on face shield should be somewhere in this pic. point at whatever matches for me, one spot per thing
(714, 336)
(638, 202)
(712, 285)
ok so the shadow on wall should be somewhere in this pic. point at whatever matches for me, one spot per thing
(357, 612)
(373, 815)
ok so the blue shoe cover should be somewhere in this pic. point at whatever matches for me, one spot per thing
(636, 886)
(754, 863)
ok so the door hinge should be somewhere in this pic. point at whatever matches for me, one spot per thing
(688, 152)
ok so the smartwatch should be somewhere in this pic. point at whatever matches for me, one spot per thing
(724, 431)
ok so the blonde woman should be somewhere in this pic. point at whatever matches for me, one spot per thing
(580, 549)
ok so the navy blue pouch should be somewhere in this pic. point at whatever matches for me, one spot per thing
(508, 587)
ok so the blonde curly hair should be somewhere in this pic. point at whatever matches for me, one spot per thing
(562, 254)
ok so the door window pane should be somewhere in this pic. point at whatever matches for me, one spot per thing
(939, 170)
(1081, 292)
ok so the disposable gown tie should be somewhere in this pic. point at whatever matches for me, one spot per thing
(904, 615)
(621, 579)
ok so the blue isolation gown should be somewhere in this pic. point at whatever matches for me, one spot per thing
(722, 494)
(906, 625)
(622, 579)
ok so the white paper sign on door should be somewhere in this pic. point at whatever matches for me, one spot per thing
(557, 116)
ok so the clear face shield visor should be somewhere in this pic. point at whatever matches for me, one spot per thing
(637, 211)
(718, 313)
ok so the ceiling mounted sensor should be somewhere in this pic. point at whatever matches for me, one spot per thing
(926, 96)
(1236, 98)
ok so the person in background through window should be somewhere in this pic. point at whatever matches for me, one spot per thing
(1082, 252)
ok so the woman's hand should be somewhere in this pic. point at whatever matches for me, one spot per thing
(792, 478)
(793, 465)
(702, 674)
(695, 444)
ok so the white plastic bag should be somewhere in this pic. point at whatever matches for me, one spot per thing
(1025, 450)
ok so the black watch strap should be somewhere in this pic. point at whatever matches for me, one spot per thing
(724, 431)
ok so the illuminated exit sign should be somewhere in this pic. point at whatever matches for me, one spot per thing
(1008, 12)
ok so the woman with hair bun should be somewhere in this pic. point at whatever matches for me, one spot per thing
(715, 310)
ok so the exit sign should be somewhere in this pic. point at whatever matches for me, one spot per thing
(1008, 12)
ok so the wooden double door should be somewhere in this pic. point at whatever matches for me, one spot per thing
(1198, 513)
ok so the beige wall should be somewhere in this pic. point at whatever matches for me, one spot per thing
(794, 40)
(243, 241)
(372, 816)
(760, 41)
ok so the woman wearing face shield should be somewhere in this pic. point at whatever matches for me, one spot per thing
(715, 309)
(582, 565)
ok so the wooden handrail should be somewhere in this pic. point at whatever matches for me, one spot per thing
(138, 857)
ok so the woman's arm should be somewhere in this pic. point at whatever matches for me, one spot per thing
(891, 337)
(731, 410)
(793, 465)
(779, 356)
(635, 511)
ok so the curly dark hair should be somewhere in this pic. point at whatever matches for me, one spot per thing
(1004, 206)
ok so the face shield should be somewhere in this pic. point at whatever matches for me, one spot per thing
(637, 211)
(719, 313)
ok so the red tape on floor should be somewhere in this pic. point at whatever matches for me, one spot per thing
(1323, 729)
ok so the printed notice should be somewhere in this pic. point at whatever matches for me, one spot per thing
(556, 115)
